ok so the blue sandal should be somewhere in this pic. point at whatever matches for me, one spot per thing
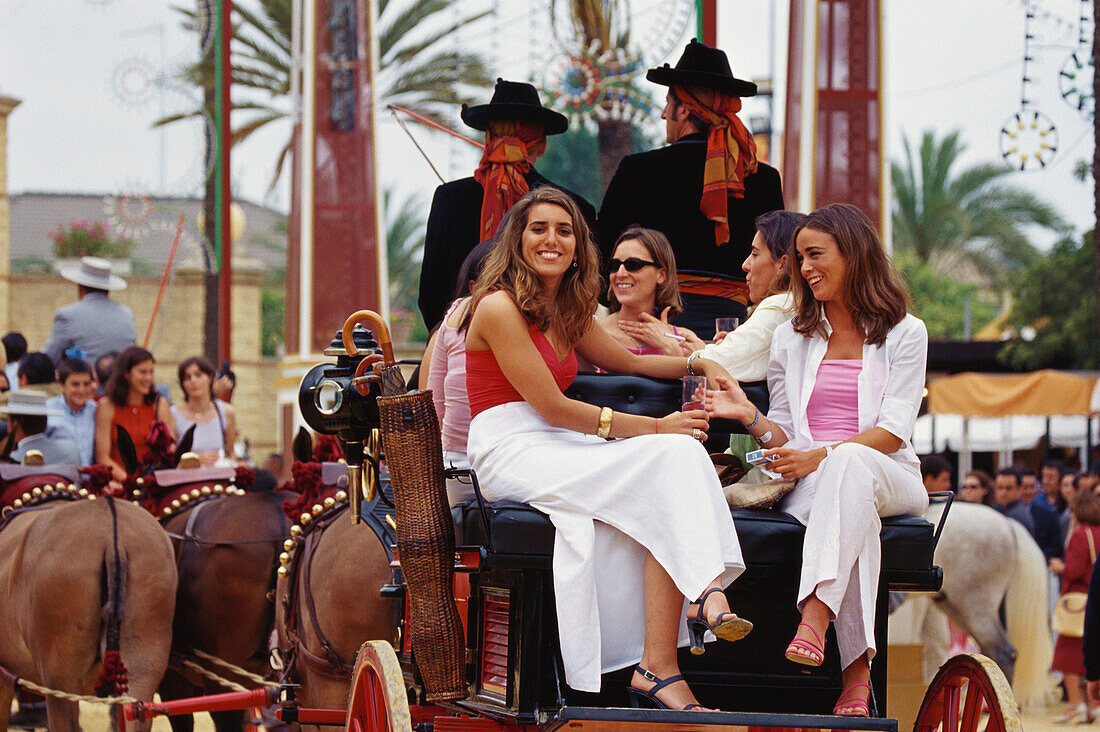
(648, 699)
(730, 629)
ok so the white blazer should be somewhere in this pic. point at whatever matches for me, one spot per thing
(889, 388)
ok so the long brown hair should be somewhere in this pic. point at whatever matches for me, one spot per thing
(118, 386)
(656, 243)
(505, 269)
(875, 294)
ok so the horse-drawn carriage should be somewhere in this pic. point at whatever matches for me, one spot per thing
(475, 640)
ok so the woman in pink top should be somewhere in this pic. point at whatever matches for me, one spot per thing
(846, 377)
(444, 373)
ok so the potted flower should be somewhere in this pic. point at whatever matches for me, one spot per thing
(85, 238)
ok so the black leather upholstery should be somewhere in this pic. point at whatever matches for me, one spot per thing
(652, 397)
(768, 538)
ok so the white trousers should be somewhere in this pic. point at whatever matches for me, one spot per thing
(841, 503)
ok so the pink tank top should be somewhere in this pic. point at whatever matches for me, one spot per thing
(833, 408)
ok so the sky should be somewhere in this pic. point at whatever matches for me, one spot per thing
(94, 74)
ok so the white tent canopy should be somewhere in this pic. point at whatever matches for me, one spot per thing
(1001, 434)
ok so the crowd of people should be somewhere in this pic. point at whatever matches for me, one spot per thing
(689, 236)
(69, 400)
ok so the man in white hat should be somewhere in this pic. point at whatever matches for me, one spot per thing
(27, 411)
(94, 324)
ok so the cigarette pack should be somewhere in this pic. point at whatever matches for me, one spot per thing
(759, 459)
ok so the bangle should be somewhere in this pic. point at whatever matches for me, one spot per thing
(692, 357)
(755, 419)
(828, 450)
(605, 423)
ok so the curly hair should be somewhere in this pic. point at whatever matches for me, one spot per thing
(875, 294)
(505, 269)
(1086, 508)
(656, 243)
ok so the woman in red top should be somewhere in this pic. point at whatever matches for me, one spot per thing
(133, 402)
(645, 512)
(1081, 552)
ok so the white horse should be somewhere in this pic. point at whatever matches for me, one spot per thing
(986, 559)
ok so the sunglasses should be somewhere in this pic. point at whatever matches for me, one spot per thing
(633, 264)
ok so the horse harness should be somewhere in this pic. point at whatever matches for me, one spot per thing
(329, 663)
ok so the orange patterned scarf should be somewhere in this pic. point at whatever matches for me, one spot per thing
(731, 153)
(511, 147)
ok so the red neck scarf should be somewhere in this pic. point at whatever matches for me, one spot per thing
(731, 153)
(508, 155)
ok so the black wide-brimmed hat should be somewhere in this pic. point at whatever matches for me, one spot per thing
(701, 65)
(514, 100)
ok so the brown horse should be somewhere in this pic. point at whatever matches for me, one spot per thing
(334, 608)
(226, 550)
(63, 568)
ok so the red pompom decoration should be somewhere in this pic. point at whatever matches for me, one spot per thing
(114, 678)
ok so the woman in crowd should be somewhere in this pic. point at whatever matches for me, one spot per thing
(846, 376)
(977, 487)
(215, 421)
(641, 512)
(131, 401)
(744, 352)
(1081, 552)
(445, 375)
(643, 295)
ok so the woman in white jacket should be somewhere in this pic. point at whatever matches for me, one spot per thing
(846, 377)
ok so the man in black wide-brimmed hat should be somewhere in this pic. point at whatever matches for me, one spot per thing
(703, 191)
(468, 211)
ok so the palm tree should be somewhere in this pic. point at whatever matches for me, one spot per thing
(415, 73)
(603, 24)
(404, 248)
(970, 218)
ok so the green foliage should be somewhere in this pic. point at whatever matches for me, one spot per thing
(972, 217)
(87, 238)
(1056, 297)
(940, 301)
(404, 252)
(272, 313)
(572, 160)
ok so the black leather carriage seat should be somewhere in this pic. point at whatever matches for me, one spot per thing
(770, 540)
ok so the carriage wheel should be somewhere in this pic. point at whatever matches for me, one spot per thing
(968, 688)
(377, 699)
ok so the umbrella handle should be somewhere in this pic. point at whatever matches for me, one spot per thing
(380, 328)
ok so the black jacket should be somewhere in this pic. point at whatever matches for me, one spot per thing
(660, 189)
(452, 232)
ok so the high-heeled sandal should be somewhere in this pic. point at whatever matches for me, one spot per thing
(733, 629)
(640, 699)
(847, 702)
(801, 644)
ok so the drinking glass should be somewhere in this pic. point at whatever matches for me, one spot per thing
(694, 388)
(726, 325)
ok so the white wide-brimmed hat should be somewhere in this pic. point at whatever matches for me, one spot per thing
(28, 401)
(95, 273)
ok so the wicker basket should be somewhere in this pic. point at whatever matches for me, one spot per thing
(425, 540)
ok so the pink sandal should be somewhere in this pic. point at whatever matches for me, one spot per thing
(816, 650)
(850, 706)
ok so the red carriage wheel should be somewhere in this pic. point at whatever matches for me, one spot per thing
(968, 690)
(377, 700)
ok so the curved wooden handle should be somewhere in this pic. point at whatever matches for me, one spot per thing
(381, 331)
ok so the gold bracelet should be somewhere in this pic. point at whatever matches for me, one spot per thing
(605, 423)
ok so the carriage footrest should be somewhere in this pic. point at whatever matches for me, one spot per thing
(616, 720)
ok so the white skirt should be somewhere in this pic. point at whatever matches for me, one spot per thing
(611, 503)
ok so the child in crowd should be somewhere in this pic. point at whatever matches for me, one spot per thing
(74, 407)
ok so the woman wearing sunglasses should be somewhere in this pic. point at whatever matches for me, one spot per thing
(643, 295)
